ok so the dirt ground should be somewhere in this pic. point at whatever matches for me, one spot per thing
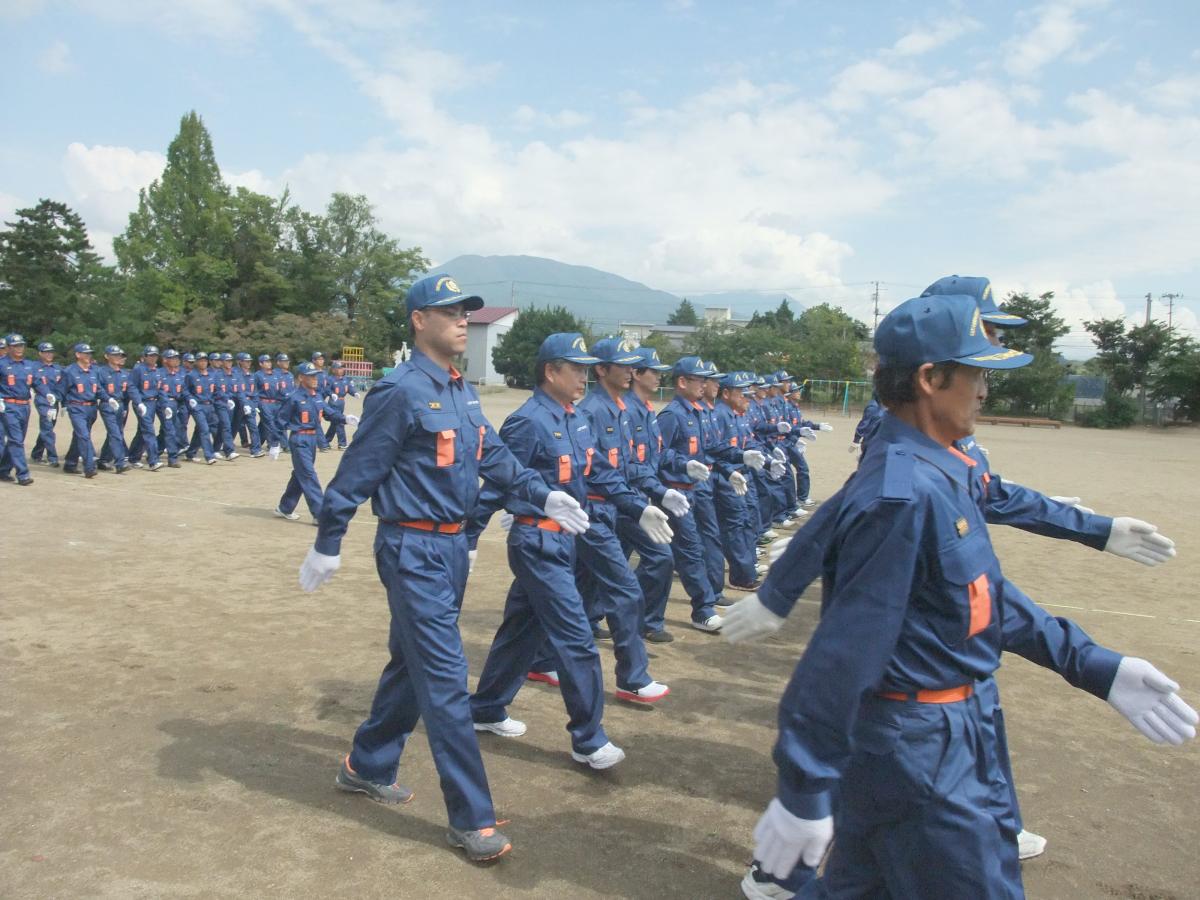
(173, 708)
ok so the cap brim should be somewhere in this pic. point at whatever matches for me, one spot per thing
(581, 360)
(470, 304)
(1001, 359)
(658, 368)
(1004, 320)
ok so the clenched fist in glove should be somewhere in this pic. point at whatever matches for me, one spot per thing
(247, 410)
(675, 503)
(806, 432)
(352, 419)
(141, 410)
(168, 413)
(230, 405)
(738, 482)
(778, 467)
(1149, 700)
(784, 427)
(654, 522)
(192, 402)
(471, 554)
(114, 404)
(317, 569)
(782, 839)
(506, 520)
(51, 414)
(1139, 541)
(697, 470)
(755, 459)
(566, 511)
(825, 426)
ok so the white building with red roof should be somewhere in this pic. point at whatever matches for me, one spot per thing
(483, 331)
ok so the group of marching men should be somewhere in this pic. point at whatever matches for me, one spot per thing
(217, 393)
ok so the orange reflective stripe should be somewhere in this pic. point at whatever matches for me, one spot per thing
(966, 459)
(304, 416)
(614, 457)
(479, 450)
(693, 445)
(641, 452)
(733, 442)
(564, 468)
(445, 448)
(981, 605)
(588, 468)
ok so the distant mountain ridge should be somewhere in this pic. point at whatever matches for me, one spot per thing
(600, 298)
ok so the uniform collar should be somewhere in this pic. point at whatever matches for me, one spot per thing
(439, 375)
(952, 461)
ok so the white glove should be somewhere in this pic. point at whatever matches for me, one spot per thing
(749, 620)
(784, 427)
(800, 445)
(230, 405)
(854, 448)
(52, 399)
(352, 419)
(317, 569)
(274, 452)
(1074, 501)
(738, 482)
(192, 402)
(51, 414)
(113, 404)
(781, 840)
(755, 459)
(778, 467)
(168, 413)
(777, 453)
(1148, 699)
(697, 470)
(471, 554)
(566, 511)
(1139, 541)
(676, 503)
(247, 410)
(777, 549)
(653, 521)
(506, 520)
(2, 407)
(806, 432)
(141, 408)
(824, 426)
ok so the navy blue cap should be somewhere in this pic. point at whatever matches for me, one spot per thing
(711, 370)
(306, 368)
(337, 364)
(981, 289)
(941, 328)
(45, 347)
(201, 355)
(190, 357)
(113, 350)
(226, 357)
(782, 375)
(317, 354)
(568, 345)
(243, 355)
(14, 339)
(149, 350)
(649, 360)
(619, 351)
(690, 365)
(736, 380)
(83, 347)
(214, 356)
(439, 290)
(264, 357)
(282, 357)
(170, 353)
(769, 380)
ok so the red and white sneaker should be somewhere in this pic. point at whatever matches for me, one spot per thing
(550, 678)
(651, 693)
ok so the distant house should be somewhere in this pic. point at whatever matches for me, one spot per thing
(483, 331)
(677, 334)
(723, 315)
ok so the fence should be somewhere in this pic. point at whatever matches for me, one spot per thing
(835, 394)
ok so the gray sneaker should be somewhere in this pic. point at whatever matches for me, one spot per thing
(481, 845)
(352, 783)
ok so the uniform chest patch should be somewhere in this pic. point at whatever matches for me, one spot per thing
(434, 404)
(558, 434)
(608, 430)
(961, 527)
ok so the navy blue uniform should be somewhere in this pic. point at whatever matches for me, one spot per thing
(301, 415)
(418, 454)
(114, 385)
(16, 390)
(738, 530)
(47, 386)
(339, 389)
(170, 410)
(81, 390)
(200, 388)
(144, 389)
(268, 404)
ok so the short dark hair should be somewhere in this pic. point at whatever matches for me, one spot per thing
(894, 384)
(539, 371)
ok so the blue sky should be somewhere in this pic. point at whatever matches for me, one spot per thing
(693, 146)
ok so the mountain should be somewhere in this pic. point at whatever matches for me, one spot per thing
(601, 298)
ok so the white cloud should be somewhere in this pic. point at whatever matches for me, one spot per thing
(1180, 92)
(105, 182)
(527, 117)
(864, 81)
(921, 40)
(1056, 33)
(253, 180)
(56, 59)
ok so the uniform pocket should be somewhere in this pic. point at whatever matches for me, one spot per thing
(614, 457)
(444, 429)
(693, 445)
(587, 470)
(641, 453)
(967, 608)
(564, 468)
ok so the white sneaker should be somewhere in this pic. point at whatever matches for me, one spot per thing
(211, 462)
(510, 727)
(648, 694)
(218, 455)
(760, 569)
(138, 465)
(800, 514)
(770, 534)
(291, 517)
(808, 504)
(763, 890)
(156, 466)
(712, 623)
(604, 758)
(232, 454)
(786, 523)
(1030, 845)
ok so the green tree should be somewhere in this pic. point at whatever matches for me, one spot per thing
(516, 351)
(260, 285)
(759, 349)
(1178, 380)
(832, 344)
(685, 314)
(1133, 358)
(1039, 388)
(667, 353)
(782, 318)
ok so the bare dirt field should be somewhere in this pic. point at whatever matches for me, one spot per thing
(173, 708)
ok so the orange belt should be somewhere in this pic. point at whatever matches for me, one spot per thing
(679, 486)
(950, 695)
(10, 400)
(544, 524)
(426, 525)
(305, 431)
(597, 498)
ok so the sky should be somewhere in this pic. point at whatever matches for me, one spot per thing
(694, 146)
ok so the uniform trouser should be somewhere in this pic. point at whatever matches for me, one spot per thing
(772, 501)
(924, 809)
(543, 605)
(688, 552)
(322, 442)
(15, 420)
(206, 421)
(251, 428)
(800, 463)
(705, 509)
(268, 432)
(337, 428)
(611, 591)
(304, 476)
(82, 416)
(114, 449)
(168, 436)
(655, 565)
(223, 439)
(47, 443)
(238, 423)
(783, 490)
(738, 532)
(145, 438)
(425, 574)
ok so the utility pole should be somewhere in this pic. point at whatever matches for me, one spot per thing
(1170, 298)
(1147, 309)
(876, 325)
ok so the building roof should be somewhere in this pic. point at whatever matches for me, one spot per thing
(490, 314)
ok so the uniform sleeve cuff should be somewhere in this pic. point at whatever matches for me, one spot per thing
(1097, 674)
(803, 805)
(328, 546)
(774, 600)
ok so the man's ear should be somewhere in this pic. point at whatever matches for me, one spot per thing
(923, 381)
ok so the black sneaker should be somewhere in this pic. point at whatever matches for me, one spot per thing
(54, 465)
(349, 781)
(601, 634)
(103, 466)
(659, 637)
(481, 845)
(175, 465)
(70, 470)
(27, 480)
